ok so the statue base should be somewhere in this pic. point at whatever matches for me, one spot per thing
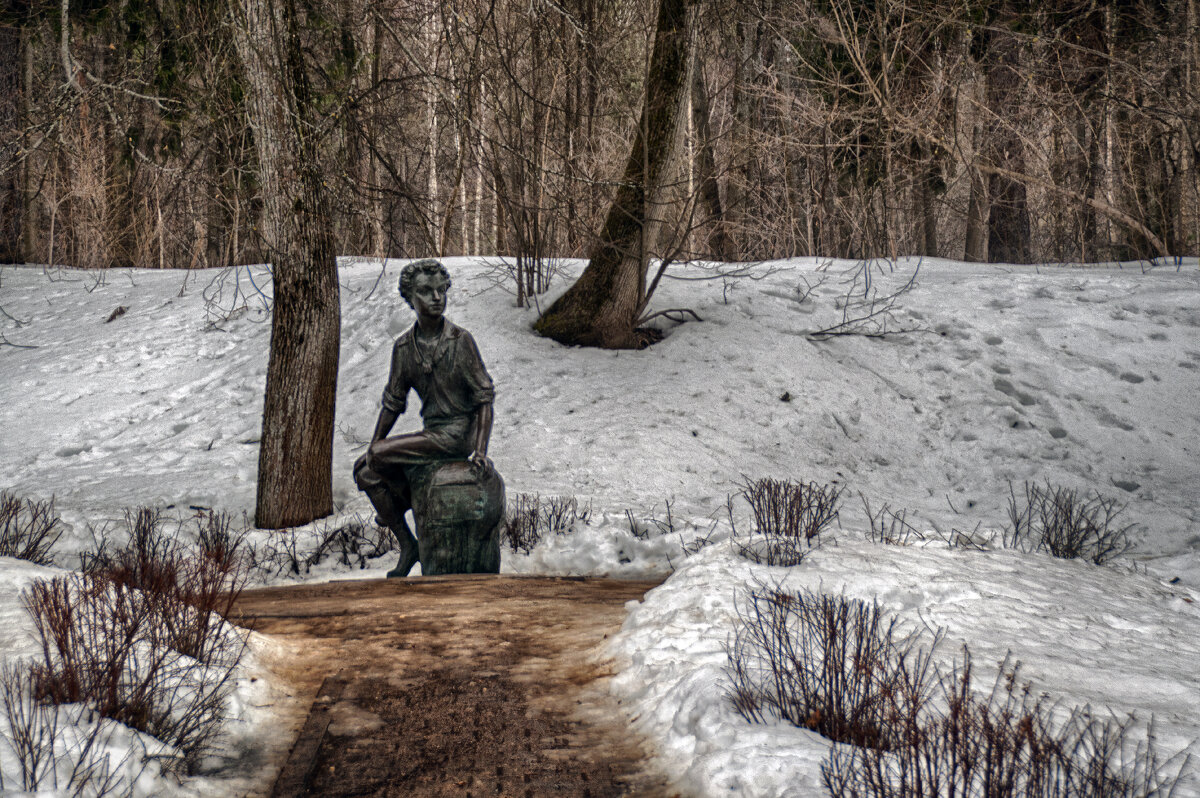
(459, 508)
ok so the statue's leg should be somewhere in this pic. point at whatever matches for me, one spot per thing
(389, 460)
(390, 498)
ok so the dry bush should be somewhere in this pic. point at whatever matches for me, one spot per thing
(827, 663)
(28, 528)
(530, 518)
(645, 528)
(142, 636)
(889, 527)
(115, 649)
(194, 589)
(297, 551)
(352, 544)
(1002, 744)
(791, 509)
(57, 748)
(1067, 523)
(788, 519)
(773, 550)
(220, 540)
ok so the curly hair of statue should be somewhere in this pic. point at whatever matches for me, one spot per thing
(408, 276)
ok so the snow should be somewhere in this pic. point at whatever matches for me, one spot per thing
(1084, 376)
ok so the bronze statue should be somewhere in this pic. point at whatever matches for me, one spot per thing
(442, 472)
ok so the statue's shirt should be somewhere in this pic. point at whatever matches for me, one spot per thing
(449, 376)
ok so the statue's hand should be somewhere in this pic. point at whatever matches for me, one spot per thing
(480, 461)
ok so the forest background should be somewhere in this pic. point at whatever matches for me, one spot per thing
(997, 131)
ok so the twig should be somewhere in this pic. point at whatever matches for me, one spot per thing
(382, 271)
(872, 313)
(5, 342)
(19, 323)
(667, 313)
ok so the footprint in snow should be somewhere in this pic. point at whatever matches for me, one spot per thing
(1008, 389)
(1108, 419)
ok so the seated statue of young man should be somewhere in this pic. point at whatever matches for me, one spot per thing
(441, 362)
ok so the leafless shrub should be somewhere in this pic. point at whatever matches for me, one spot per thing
(956, 538)
(788, 519)
(29, 528)
(220, 540)
(888, 526)
(645, 528)
(530, 518)
(283, 554)
(1000, 745)
(141, 554)
(522, 528)
(827, 663)
(791, 509)
(141, 635)
(775, 550)
(1066, 523)
(352, 544)
(698, 543)
(113, 648)
(561, 512)
(297, 551)
(57, 748)
(192, 590)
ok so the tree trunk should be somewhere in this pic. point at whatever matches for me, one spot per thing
(706, 166)
(1188, 235)
(296, 453)
(1008, 216)
(28, 191)
(602, 307)
(11, 196)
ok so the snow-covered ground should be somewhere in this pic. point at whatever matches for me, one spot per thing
(1083, 376)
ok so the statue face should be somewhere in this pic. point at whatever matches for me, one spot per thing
(429, 295)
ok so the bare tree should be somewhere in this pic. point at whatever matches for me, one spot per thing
(604, 304)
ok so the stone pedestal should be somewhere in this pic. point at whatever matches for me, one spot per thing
(458, 508)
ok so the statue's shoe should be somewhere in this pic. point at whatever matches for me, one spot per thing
(407, 560)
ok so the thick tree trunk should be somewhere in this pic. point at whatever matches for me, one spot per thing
(602, 307)
(296, 452)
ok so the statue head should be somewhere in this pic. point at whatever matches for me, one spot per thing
(408, 276)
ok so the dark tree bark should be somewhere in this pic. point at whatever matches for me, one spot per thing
(296, 453)
(602, 307)
(706, 165)
(11, 197)
(28, 192)
(1008, 217)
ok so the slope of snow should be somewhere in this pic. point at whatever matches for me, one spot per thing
(1085, 377)
(1083, 634)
